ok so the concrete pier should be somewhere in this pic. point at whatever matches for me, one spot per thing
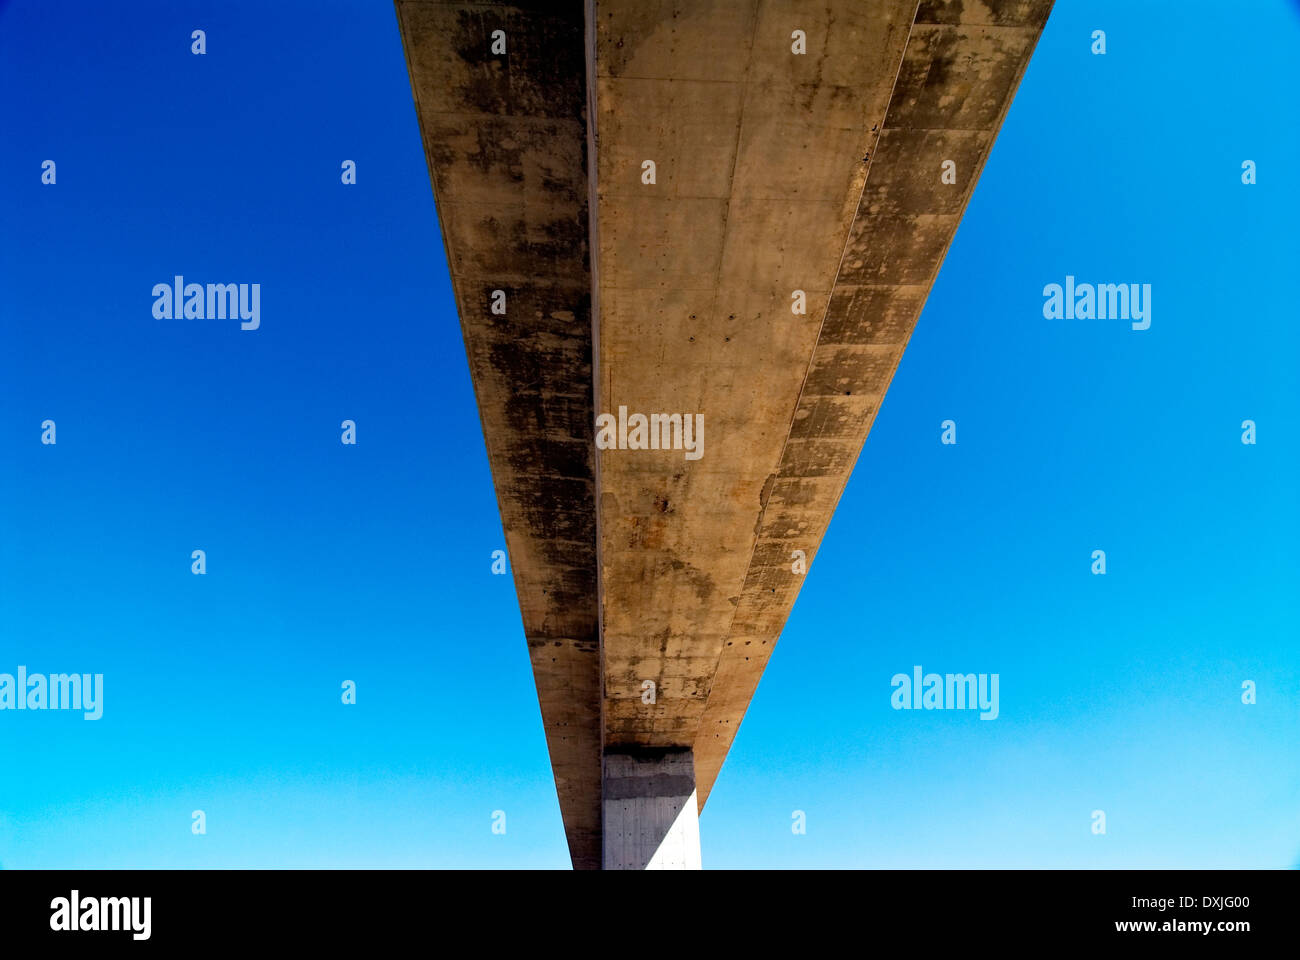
(651, 816)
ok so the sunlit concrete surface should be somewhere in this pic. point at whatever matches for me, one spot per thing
(653, 585)
(651, 812)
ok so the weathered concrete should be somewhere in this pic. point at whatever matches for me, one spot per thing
(759, 170)
(651, 819)
(506, 142)
(653, 586)
(957, 78)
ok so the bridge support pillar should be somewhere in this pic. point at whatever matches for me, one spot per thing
(649, 809)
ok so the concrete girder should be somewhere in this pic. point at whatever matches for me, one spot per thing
(775, 172)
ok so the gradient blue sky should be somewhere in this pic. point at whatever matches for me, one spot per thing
(371, 563)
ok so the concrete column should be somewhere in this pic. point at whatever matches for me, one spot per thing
(651, 818)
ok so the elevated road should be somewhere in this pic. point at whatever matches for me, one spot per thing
(726, 210)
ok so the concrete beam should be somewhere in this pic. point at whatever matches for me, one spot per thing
(830, 172)
(651, 819)
(505, 136)
(956, 80)
(759, 167)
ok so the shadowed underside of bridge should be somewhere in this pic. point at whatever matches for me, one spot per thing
(779, 177)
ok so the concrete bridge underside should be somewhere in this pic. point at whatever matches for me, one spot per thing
(775, 172)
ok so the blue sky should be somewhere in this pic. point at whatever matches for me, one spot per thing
(371, 562)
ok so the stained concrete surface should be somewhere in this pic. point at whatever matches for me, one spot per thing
(775, 173)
